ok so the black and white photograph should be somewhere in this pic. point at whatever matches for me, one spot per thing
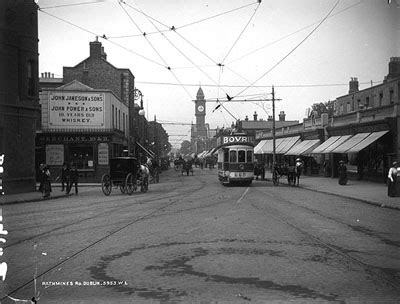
(199, 151)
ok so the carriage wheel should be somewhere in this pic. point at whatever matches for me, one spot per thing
(145, 185)
(122, 188)
(130, 184)
(106, 184)
(275, 178)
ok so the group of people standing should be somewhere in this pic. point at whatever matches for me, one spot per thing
(391, 178)
(68, 177)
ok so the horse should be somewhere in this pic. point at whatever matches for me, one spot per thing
(187, 167)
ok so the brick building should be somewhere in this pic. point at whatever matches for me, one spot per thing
(19, 107)
(96, 72)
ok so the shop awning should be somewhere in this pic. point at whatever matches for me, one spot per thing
(267, 148)
(145, 150)
(348, 144)
(367, 141)
(257, 149)
(336, 144)
(320, 149)
(303, 147)
(287, 144)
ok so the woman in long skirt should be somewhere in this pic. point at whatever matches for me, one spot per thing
(392, 180)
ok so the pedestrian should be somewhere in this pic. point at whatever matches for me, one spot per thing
(342, 173)
(45, 184)
(392, 180)
(64, 177)
(73, 178)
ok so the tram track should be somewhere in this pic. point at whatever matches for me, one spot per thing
(381, 273)
(107, 213)
(147, 214)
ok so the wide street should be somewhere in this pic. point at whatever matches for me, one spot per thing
(190, 239)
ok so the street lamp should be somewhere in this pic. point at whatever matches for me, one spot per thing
(136, 95)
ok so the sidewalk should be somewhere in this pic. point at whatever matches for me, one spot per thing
(37, 196)
(364, 191)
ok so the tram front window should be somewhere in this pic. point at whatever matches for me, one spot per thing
(249, 156)
(241, 156)
(232, 156)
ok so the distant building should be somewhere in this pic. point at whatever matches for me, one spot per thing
(19, 106)
(200, 130)
(255, 125)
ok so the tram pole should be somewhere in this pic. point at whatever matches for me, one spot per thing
(273, 128)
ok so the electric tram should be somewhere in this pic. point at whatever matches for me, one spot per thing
(236, 159)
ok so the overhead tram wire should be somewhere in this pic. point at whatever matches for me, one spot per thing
(101, 36)
(154, 49)
(291, 34)
(291, 51)
(74, 4)
(241, 33)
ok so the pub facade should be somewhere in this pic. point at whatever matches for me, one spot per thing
(82, 126)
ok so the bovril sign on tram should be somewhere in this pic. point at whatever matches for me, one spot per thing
(235, 139)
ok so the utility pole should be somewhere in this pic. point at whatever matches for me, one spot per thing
(273, 128)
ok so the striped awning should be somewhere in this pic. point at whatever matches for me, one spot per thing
(320, 149)
(348, 144)
(258, 147)
(374, 136)
(303, 147)
(287, 144)
(336, 144)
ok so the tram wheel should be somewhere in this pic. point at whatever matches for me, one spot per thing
(106, 184)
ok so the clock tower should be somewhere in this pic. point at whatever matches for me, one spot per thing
(200, 112)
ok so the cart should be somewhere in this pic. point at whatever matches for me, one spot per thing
(124, 173)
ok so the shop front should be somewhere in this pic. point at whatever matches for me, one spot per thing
(89, 152)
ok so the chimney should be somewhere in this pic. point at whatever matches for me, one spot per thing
(394, 68)
(95, 49)
(282, 116)
(353, 85)
(269, 118)
(103, 54)
(246, 118)
(255, 116)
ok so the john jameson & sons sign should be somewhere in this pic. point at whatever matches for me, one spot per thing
(79, 109)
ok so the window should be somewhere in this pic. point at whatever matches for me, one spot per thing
(119, 119)
(232, 156)
(249, 156)
(241, 156)
(112, 117)
(380, 99)
(31, 77)
(226, 155)
(348, 108)
(82, 156)
(391, 95)
(367, 105)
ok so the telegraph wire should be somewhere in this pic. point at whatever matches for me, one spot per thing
(152, 46)
(291, 51)
(74, 4)
(241, 33)
(101, 36)
(291, 34)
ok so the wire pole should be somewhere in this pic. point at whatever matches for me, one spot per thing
(273, 128)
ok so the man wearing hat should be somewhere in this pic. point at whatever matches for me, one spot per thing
(392, 180)
(342, 173)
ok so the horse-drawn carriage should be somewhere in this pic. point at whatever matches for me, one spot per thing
(127, 174)
(291, 172)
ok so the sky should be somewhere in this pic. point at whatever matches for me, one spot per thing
(308, 50)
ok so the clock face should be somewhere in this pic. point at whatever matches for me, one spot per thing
(200, 108)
